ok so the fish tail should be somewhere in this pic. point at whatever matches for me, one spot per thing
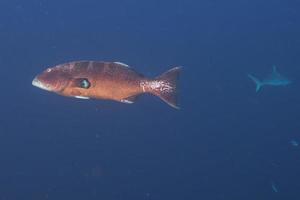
(165, 86)
(256, 81)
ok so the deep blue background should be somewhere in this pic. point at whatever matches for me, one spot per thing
(227, 142)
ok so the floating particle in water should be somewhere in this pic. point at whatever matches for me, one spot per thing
(294, 143)
(274, 187)
(148, 195)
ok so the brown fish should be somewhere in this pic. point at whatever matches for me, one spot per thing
(107, 80)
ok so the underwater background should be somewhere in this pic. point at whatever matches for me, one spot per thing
(226, 142)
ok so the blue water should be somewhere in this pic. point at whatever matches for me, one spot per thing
(227, 142)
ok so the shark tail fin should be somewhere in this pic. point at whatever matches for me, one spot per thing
(256, 81)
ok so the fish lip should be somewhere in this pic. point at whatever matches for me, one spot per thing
(37, 83)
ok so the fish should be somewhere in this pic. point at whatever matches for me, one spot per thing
(274, 79)
(107, 81)
(294, 143)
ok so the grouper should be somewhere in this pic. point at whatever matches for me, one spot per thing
(107, 80)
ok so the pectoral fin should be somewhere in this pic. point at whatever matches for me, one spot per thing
(81, 97)
(129, 100)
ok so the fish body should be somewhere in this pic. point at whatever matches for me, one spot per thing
(107, 80)
(275, 79)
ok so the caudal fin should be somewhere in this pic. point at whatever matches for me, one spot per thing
(165, 86)
(256, 81)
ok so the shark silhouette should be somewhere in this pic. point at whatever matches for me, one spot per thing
(274, 79)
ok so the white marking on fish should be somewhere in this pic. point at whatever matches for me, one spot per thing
(158, 85)
(126, 101)
(81, 97)
(123, 64)
(90, 65)
(143, 85)
(38, 84)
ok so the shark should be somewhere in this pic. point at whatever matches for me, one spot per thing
(274, 79)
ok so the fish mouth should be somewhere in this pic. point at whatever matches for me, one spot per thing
(37, 83)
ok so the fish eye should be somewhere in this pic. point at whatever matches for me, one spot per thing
(85, 83)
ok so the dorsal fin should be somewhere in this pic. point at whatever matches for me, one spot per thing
(274, 70)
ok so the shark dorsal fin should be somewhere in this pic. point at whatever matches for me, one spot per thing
(275, 74)
(274, 70)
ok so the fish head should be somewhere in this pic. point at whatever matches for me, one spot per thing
(65, 79)
(282, 82)
(52, 79)
(287, 82)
